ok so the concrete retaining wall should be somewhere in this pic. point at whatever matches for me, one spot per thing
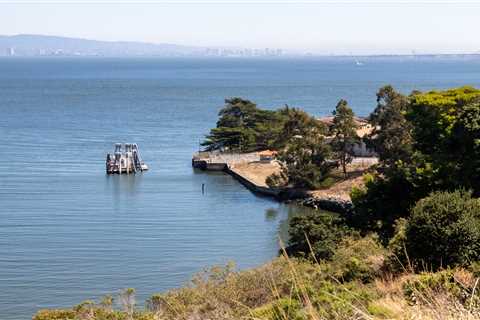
(329, 204)
(252, 186)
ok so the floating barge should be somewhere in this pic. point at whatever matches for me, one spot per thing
(126, 160)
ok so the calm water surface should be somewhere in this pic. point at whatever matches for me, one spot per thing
(68, 232)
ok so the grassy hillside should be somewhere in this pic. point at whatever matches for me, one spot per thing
(355, 284)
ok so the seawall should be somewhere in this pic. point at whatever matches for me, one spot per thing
(332, 204)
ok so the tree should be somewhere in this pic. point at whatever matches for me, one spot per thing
(304, 164)
(446, 132)
(243, 127)
(296, 124)
(429, 143)
(234, 127)
(345, 134)
(391, 135)
(444, 230)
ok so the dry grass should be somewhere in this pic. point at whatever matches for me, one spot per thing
(288, 288)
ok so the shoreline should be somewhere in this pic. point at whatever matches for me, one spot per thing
(319, 200)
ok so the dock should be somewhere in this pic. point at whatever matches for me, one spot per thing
(125, 160)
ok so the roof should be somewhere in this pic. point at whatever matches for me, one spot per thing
(363, 127)
(267, 153)
(328, 120)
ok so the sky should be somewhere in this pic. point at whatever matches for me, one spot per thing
(317, 26)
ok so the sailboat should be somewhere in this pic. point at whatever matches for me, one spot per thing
(358, 63)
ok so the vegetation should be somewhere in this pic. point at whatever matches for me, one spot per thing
(444, 230)
(353, 285)
(244, 127)
(410, 249)
(438, 151)
(324, 232)
(304, 163)
(344, 130)
(391, 136)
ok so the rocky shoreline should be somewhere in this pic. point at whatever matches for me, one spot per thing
(332, 204)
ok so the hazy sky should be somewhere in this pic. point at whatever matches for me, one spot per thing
(319, 26)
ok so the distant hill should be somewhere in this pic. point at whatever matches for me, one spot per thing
(40, 45)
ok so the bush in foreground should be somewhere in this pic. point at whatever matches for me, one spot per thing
(444, 230)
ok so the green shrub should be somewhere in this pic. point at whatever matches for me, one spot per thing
(381, 203)
(397, 259)
(333, 300)
(285, 308)
(55, 315)
(380, 311)
(327, 183)
(455, 283)
(444, 230)
(358, 259)
(321, 231)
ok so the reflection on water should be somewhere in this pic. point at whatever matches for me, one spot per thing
(271, 214)
(123, 183)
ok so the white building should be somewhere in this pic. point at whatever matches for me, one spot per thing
(364, 128)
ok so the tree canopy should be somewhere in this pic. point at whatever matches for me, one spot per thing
(242, 126)
(427, 142)
(344, 134)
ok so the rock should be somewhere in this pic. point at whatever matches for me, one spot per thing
(329, 204)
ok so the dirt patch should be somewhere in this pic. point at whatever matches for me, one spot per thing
(257, 171)
(342, 188)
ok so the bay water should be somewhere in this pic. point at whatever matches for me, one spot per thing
(69, 232)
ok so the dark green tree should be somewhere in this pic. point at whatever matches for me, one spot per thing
(344, 134)
(440, 152)
(391, 135)
(296, 124)
(304, 162)
(243, 127)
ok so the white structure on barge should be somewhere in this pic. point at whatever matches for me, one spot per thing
(125, 161)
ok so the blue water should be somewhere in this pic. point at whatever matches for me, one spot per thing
(68, 232)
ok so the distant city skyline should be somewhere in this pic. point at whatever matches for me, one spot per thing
(317, 27)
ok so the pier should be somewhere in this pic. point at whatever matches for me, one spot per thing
(125, 160)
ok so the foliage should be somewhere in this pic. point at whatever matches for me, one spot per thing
(444, 230)
(344, 134)
(315, 236)
(391, 135)
(397, 260)
(298, 125)
(381, 203)
(446, 131)
(289, 288)
(244, 127)
(284, 308)
(305, 160)
(457, 283)
(304, 163)
(358, 259)
(426, 142)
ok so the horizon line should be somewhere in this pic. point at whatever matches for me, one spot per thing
(290, 51)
